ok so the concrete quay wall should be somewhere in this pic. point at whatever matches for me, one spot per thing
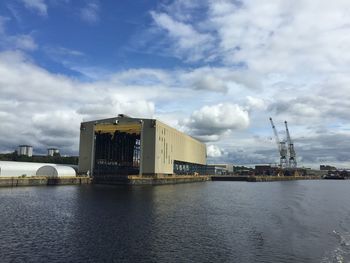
(37, 181)
(149, 180)
(263, 178)
(281, 178)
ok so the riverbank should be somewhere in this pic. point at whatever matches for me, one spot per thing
(144, 180)
(37, 181)
(264, 178)
(149, 180)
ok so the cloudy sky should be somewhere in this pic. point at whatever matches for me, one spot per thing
(216, 69)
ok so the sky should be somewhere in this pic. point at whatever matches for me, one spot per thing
(215, 69)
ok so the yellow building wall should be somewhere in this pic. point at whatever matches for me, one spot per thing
(171, 145)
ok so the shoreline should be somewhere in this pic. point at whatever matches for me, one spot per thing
(41, 181)
(265, 178)
(144, 180)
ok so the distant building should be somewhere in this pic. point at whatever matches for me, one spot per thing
(217, 169)
(327, 168)
(264, 170)
(220, 169)
(52, 151)
(314, 172)
(227, 167)
(25, 150)
(243, 170)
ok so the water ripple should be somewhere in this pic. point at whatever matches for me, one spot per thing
(205, 222)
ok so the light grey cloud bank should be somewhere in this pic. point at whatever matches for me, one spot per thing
(45, 109)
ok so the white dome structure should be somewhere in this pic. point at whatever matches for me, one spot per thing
(56, 171)
(17, 169)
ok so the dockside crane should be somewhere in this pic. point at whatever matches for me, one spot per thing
(281, 145)
(291, 151)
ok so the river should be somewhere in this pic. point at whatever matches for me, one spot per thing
(295, 221)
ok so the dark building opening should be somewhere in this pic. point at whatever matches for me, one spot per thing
(117, 152)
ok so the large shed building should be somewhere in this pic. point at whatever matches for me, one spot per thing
(132, 146)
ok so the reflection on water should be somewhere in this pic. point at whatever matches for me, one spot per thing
(300, 221)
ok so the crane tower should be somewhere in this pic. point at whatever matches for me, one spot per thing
(281, 145)
(291, 151)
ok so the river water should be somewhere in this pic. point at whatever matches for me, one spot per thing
(296, 221)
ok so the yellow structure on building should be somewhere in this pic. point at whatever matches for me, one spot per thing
(133, 146)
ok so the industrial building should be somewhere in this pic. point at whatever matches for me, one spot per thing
(266, 169)
(220, 169)
(26, 150)
(133, 146)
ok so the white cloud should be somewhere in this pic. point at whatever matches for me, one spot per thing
(44, 109)
(188, 40)
(214, 151)
(256, 103)
(62, 51)
(90, 13)
(37, 5)
(210, 122)
(221, 116)
(187, 36)
(113, 107)
(218, 79)
(147, 76)
(20, 41)
(300, 36)
(209, 82)
(284, 36)
(24, 42)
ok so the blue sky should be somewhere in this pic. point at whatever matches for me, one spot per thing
(106, 35)
(216, 69)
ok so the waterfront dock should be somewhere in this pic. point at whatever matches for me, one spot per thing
(41, 180)
(253, 178)
(148, 180)
(143, 180)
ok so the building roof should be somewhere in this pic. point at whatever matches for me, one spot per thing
(109, 120)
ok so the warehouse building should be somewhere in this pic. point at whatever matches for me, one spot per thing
(132, 146)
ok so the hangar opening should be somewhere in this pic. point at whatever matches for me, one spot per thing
(117, 149)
